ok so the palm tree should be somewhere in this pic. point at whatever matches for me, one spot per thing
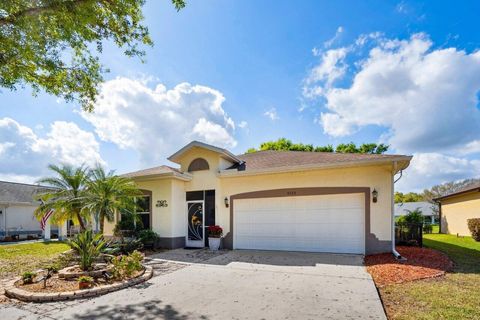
(65, 198)
(107, 193)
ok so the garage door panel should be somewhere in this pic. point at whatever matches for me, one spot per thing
(327, 223)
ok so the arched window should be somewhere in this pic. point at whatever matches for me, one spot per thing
(198, 164)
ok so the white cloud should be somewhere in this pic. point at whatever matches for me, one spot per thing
(470, 148)
(327, 44)
(243, 124)
(332, 67)
(157, 122)
(213, 132)
(425, 98)
(272, 114)
(428, 169)
(24, 155)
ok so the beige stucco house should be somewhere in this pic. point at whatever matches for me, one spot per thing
(272, 200)
(456, 208)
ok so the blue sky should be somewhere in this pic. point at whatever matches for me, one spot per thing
(320, 72)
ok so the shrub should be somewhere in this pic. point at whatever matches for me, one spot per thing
(88, 247)
(124, 246)
(51, 269)
(427, 228)
(147, 236)
(85, 279)
(215, 231)
(125, 266)
(474, 227)
(27, 277)
(129, 225)
(412, 216)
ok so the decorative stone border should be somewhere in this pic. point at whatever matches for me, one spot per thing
(67, 274)
(12, 291)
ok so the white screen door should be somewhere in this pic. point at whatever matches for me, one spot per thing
(195, 224)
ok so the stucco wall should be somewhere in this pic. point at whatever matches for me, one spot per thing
(19, 217)
(456, 211)
(162, 221)
(178, 209)
(372, 177)
(171, 221)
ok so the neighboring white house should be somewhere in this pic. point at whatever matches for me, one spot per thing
(17, 205)
(402, 209)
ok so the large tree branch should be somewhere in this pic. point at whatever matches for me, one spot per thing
(11, 17)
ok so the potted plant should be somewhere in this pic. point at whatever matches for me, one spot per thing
(27, 277)
(214, 237)
(85, 282)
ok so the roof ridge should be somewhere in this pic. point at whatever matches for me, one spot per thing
(320, 152)
(26, 184)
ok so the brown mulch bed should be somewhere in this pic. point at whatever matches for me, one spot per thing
(421, 263)
(55, 284)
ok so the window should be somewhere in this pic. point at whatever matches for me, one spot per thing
(144, 210)
(198, 164)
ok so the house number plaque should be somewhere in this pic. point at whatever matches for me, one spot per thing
(162, 203)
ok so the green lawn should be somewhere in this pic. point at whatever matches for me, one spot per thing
(18, 258)
(455, 296)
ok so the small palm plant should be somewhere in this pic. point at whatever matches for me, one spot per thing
(106, 194)
(88, 246)
(66, 195)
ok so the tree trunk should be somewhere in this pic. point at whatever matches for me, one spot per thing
(80, 221)
(102, 222)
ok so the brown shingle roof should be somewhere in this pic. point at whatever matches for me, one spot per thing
(273, 159)
(475, 186)
(151, 171)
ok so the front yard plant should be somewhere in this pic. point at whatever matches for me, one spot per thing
(148, 237)
(85, 282)
(89, 270)
(214, 237)
(474, 227)
(28, 276)
(125, 266)
(88, 247)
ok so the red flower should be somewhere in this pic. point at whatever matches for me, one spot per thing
(215, 231)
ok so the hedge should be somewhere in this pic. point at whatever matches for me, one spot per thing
(474, 226)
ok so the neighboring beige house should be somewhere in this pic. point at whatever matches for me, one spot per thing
(456, 208)
(272, 200)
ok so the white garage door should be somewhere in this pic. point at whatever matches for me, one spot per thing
(327, 223)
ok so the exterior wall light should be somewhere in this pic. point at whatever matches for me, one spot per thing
(226, 202)
(374, 195)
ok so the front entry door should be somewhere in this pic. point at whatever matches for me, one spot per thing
(195, 224)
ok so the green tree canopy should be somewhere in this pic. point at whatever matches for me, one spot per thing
(284, 144)
(408, 197)
(54, 44)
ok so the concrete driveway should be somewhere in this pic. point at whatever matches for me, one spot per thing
(234, 285)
